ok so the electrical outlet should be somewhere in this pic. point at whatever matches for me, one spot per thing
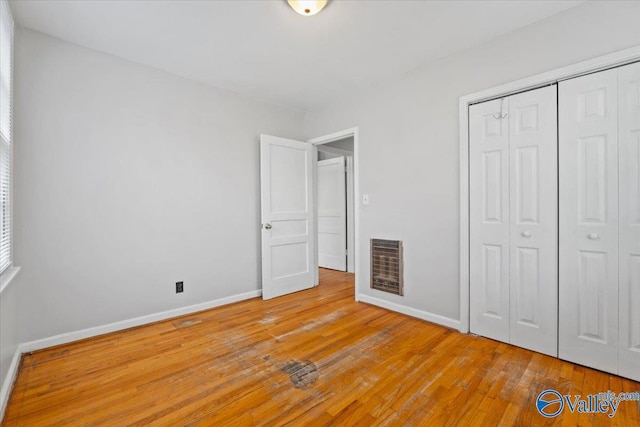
(179, 287)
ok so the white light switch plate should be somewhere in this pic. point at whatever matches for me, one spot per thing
(365, 199)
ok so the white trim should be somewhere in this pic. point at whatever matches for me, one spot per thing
(5, 11)
(351, 203)
(354, 132)
(130, 323)
(597, 64)
(6, 278)
(464, 216)
(409, 311)
(336, 136)
(9, 380)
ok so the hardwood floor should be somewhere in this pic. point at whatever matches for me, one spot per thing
(312, 358)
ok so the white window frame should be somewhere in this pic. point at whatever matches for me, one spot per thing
(7, 269)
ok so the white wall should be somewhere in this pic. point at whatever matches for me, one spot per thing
(408, 141)
(128, 179)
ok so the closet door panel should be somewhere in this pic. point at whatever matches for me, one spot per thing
(629, 147)
(533, 218)
(588, 212)
(489, 220)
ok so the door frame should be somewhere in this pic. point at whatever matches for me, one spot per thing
(354, 168)
(601, 63)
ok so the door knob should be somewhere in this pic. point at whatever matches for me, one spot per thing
(267, 226)
(593, 236)
(526, 234)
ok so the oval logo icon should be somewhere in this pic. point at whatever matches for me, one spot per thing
(549, 403)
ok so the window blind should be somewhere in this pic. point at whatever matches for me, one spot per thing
(6, 60)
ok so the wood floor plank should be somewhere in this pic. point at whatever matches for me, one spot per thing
(315, 357)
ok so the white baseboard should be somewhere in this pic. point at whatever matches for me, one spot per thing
(130, 323)
(409, 311)
(7, 384)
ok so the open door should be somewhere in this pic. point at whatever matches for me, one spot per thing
(332, 214)
(286, 190)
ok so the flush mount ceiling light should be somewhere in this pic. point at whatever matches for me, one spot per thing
(307, 7)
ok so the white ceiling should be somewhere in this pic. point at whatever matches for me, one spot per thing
(263, 49)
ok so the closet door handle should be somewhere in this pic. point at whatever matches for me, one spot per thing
(593, 236)
(526, 234)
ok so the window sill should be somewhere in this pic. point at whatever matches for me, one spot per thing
(7, 277)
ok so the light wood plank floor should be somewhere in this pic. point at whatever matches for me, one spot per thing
(312, 358)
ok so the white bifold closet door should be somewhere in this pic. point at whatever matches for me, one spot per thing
(629, 138)
(600, 220)
(588, 153)
(513, 219)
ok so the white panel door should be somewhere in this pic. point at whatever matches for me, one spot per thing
(286, 184)
(489, 219)
(332, 214)
(629, 147)
(533, 146)
(588, 254)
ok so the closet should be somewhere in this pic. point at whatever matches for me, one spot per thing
(599, 182)
(554, 208)
(513, 219)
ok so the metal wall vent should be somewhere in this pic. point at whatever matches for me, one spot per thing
(386, 265)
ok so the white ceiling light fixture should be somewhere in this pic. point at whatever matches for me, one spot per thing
(307, 7)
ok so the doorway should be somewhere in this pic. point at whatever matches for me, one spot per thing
(289, 218)
(335, 205)
(337, 218)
